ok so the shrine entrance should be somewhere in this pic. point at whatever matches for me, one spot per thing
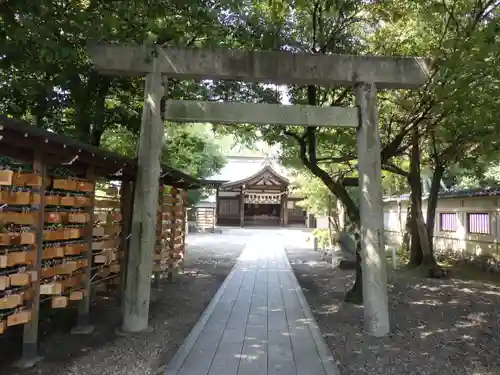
(365, 74)
(262, 209)
(262, 214)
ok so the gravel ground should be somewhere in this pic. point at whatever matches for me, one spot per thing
(438, 326)
(174, 310)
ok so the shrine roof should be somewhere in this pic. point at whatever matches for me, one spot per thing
(240, 170)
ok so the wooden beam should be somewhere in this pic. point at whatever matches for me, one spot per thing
(260, 66)
(30, 338)
(126, 202)
(159, 231)
(83, 324)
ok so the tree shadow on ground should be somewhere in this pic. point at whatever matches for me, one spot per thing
(437, 326)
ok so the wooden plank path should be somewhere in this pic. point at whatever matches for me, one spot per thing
(258, 323)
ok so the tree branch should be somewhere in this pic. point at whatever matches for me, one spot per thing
(350, 181)
(336, 160)
(335, 187)
(395, 169)
(340, 98)
(315, 26)
(292, 135)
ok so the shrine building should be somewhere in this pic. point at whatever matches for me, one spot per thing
(253, 191)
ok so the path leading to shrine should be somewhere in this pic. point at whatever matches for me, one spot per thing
(259, 321)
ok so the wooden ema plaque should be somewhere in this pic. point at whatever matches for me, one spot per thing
(4, 282)
(11, 301)
(18, 258)
(27, 179)
(22, 317)
(52, 253)
(17, 238)
(76, 295)
(6, 177)
(85, 186)
(3, 261)
(59, 302)
(51, 289)
(24, 218)
(21, 198)
(19, 279)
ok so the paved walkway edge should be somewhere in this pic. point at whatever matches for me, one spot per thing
(176, 363)
(327, 359)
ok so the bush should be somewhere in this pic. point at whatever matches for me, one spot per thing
(323, 238)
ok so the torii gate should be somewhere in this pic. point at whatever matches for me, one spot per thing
(365, 73)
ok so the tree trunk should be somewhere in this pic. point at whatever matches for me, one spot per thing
(416, 255)
(421, 246)
(355, 295)
(426, 249)
(307, 145)
(81, 92)
(100, 111)
(405, 245)
(432, 203)
(415, 247)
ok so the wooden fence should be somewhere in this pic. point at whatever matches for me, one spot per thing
(205, 218)
(170, 243)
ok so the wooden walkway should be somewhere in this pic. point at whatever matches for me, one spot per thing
(258, 323)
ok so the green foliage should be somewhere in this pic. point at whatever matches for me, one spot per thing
(481, 176)
(189, 148)
(192, 150)
(322, 236)
(318, 199)
(46, 76)
(459, 107)
(120, 140)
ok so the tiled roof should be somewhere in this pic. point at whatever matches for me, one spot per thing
(470, 193)
(464, 193)
(240, 168)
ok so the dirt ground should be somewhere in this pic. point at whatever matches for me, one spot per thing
(437, 326)
(175, 308)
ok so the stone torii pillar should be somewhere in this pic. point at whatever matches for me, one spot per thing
(374, 267)
(143, 230)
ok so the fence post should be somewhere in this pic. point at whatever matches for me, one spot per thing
(159, 236)
(127, 197)
(173, 236)
(83, 326)
(30, 337)
(184, 226)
